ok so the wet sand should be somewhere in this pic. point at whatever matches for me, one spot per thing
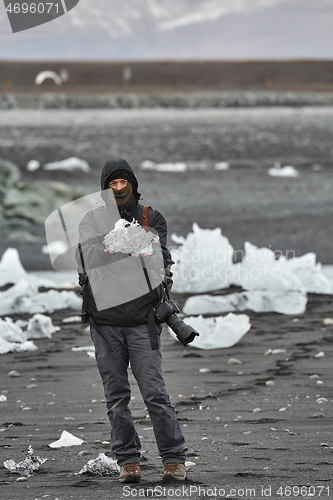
(287, 443)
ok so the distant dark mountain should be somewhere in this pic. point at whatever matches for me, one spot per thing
(178, 29)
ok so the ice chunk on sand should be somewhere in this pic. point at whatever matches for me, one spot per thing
(6, 347)
(12, 271)
(204, 262)
(29, 465)
(41, 326)
(259, 270)
(130, 238)
(11, 332)
(163, 167)
(255, 300)
(70, 164)
(309, 273)
(222, 165)
(287, 171)
(55, 247)
(24, 298)
(201, 261)
(66, 439)
(219, 332)
(102, 466)
(33, 165)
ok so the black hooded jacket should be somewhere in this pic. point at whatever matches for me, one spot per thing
(111, 274)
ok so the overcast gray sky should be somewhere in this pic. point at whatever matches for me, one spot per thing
(178, 29)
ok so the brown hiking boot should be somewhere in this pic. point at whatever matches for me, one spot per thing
(130, 473)
(174, 471)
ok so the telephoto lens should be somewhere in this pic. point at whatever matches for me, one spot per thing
(166, 313)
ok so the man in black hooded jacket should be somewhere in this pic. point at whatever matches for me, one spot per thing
(122, 333)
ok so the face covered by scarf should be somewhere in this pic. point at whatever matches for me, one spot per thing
(122, 190)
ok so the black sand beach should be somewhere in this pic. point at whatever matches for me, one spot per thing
(242, 434)
(284, 448)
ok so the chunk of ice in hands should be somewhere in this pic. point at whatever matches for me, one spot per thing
(130, 238)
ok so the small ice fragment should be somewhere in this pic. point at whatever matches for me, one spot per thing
(72, 319)
(328, 321)
(3, 398)
(204, 370)
(29, 465)
(270, 383)
(44, 75)
(287, 171)
(257, 410)
(102, 466)
(33, 165)
(320, 382)
(234, 361)
(314, 376)
(320, 354)
(66, 439)
(70, 164)
(84, 348)
(190, 464)
(14, 373)
(41, 326)
(163, 167)
(54, 248)
(223, 165)
(282, 409)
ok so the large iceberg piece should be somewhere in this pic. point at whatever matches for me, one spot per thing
(204, 262)
(201, 261)
(260, 270)
(12, 271)
(24, 298)
(130, 238)
(219, 332)
(30, 464)
(309, 273)
(13, 338)
(254, 300)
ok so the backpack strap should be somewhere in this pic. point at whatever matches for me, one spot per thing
(151, 316)
(144, 222)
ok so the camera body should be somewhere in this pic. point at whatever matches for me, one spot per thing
(165, 312)
(165, 309)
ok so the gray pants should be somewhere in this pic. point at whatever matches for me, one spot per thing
(133, 345)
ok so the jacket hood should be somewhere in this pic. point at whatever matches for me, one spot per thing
(119, 168)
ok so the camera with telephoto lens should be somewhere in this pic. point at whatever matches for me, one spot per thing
(166, 313)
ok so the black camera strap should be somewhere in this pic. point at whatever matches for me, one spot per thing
(151, 315)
